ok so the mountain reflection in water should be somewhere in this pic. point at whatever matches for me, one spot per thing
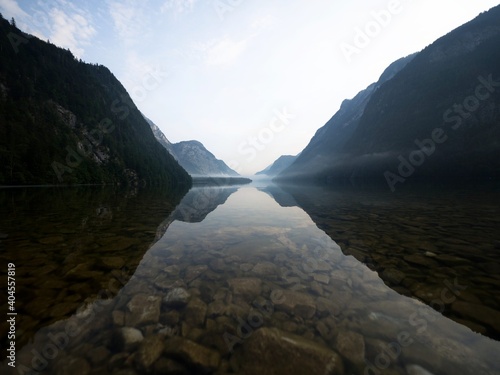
(223, 289)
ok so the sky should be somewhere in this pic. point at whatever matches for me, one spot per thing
(250, 79)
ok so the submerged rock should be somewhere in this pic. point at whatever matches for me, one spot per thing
(149, 351)
(73, 366)
(192, 354)
(417, 370)
(170, 367)
(351, 346)
(479, 313)
(165, 283)
(420, 260)
(143, 309)
(270, 351)
(296, 303)
(195, 312)
(118, 318)
(193, 272)
(177, 297)
(98, 355)
(248, 287)
(128, 338)
(115, 263)
(321, 278)
(264, 269)
(393, 275)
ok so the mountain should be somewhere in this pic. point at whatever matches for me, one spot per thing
(160, 137)
(192, 156)
(63, 121)
(198, 161)
(328, 143)
(284, 161)
(431, 116)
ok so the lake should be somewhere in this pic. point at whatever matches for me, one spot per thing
(249, 279)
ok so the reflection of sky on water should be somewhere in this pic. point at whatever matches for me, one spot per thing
(253, 226)
(248, 209)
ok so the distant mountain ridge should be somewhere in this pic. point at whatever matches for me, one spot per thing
(432, 116)
(193, 156)
(283, 162)
(198, 161)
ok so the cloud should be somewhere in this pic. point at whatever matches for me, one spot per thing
(12, 9)
(177, 6)
(226, 50)
(71, 29)
(129, 21)
(61, 21)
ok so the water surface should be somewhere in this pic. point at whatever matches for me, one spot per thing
(251, 273)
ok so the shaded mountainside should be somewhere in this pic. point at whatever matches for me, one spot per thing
(329, 141)
(63, 121)
(280, 164)
(437, 118)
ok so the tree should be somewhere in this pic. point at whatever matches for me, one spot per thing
(13, 22)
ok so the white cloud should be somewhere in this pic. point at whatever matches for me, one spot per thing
(177, 6)
(71, 30)
(129, 20)
(226, 50)
(61, 21)
(12, 9)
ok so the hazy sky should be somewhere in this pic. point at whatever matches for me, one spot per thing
(250, 79)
